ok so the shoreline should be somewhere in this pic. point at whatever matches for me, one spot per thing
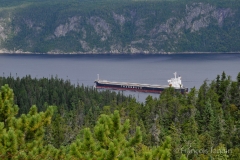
(109, 53)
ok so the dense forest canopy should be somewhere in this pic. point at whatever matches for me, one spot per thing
(54, 119)
(119, 26)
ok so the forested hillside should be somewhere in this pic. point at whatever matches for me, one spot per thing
(119, 26)
(54, 119)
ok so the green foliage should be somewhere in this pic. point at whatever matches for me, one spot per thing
(22, 137)
(220, 152)
(32, 26)
(7, 108)
(183, 157)
(87, 124)
(111, 140)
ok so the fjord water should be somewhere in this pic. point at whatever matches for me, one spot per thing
(150, 69)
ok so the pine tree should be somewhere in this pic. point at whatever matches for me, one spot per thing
(224, 93)
(237, 98)
(234, 91)
(175, 133)
(22, 137)
(150, 116)
(234, 153)
(220, 152)
(238, 79)
(169, 107)
(183, 157)
(163, 152)
(110, 140)
(218, 84)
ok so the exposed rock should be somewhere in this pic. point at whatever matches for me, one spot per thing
(135, 50)
(3, 35)
(3, 50)
(28, 22)
(140, 23)
(71, 25)
(120, 19)
(84, 45)
(221, 14)
(116, 48)
(199, 15)
(101, 27)
(17, 29)
(84, 33)
(116, 31)
(178, 26)
(140, 41)
(197, 11)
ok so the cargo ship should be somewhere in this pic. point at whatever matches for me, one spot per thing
(175, 82)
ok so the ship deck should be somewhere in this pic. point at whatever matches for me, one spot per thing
(131, 84)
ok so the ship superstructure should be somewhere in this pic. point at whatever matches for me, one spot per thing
(175, 82)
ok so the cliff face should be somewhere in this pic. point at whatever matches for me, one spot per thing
(144, 27)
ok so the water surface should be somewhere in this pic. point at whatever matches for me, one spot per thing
(151, 69)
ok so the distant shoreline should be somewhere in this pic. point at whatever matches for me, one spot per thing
(109, 53)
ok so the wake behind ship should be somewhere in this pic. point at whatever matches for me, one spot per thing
(175, 82)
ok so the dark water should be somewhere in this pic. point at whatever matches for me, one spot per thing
(151, 69)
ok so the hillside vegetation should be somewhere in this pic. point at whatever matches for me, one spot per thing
(114, 26)
(54, 119)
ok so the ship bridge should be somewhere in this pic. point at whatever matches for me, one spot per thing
(175, 82)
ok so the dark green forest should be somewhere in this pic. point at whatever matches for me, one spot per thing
(50, 118)
(119, 26)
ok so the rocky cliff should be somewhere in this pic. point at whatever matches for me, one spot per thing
(136, 27)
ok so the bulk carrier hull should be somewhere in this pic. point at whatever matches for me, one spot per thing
(138, 87)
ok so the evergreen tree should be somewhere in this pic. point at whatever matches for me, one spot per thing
(163, 152)
(238, 80)
(220, 152)
(224, 93)
(169, 107)
(234, 153)
(207, 119)
(175, 133)
(22, 137)
(237, 98)
(110, 140)
(183, 157)
(218, 82)
(149, 115)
